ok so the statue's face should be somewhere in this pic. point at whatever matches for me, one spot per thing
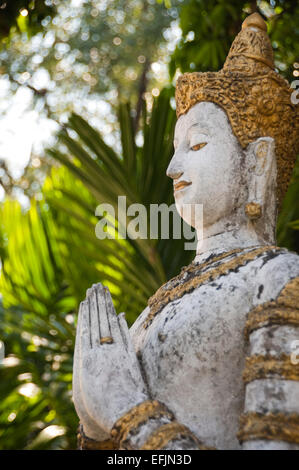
(207, 164)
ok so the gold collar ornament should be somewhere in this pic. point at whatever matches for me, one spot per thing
(257, 100)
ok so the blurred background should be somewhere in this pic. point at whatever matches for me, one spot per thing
(87, 113)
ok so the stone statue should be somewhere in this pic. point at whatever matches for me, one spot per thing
(207, 363)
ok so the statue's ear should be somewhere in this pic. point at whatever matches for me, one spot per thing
(261, 161)
(262, 155)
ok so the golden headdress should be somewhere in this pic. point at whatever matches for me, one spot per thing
(257, 99)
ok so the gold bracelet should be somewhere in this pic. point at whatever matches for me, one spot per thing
(265, 367)
(169, 432)
(272, 426)
(86, 443)
(138, 416)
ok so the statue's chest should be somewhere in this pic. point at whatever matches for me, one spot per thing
(193, 355)
(201, 328)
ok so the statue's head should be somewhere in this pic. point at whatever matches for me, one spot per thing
(236, 137)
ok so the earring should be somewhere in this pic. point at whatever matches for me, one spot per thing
(253, 210)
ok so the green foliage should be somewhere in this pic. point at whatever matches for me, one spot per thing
(88, 49)
(284, 34)
(50, 256)
(37, 327)
(208, 29)
(12, 20)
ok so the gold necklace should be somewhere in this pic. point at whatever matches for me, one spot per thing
(175, 289)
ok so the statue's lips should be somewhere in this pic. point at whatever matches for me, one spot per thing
(180, 185)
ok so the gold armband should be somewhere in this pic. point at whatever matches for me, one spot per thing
(283, 311)
(86, 443)
(137, 416)
(265, 367)
(270, 314)
(272, 426)
(168, 432)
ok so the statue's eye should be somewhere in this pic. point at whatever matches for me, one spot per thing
(198, 146)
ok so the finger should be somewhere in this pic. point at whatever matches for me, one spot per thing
(78, 403)
(78, 330)
(94, 317)
(77, 399)
(85, 336)
(88, 292)
(105, 333)
(112, 318)
(76, 359)
(130, 348)
(123, 326)
(125, 332)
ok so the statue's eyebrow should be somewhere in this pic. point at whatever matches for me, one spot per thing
(202, 129)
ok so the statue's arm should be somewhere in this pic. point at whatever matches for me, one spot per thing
(271, 414)
(109, 392)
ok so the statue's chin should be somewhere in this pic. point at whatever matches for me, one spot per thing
(190, 212)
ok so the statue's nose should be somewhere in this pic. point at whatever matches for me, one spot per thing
(174, 169)
(174, 175)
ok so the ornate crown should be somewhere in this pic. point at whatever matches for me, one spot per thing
(257, 100)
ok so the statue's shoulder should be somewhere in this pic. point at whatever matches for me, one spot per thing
(275, 270)
(264, 270)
